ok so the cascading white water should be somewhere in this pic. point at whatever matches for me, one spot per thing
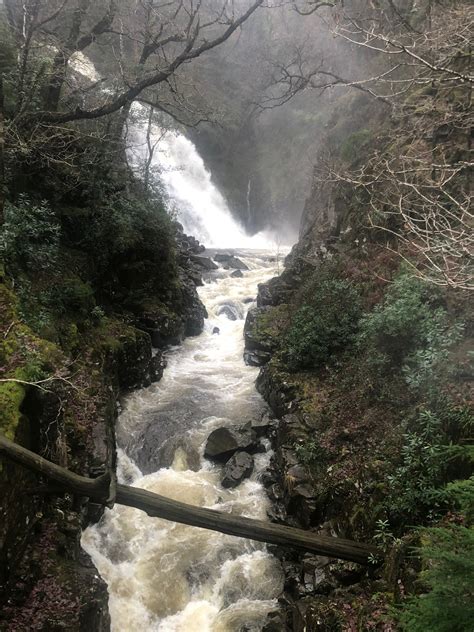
(198, 204)
(166, 577)
(162, 576)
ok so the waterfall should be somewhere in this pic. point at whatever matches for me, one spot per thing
(191, 195)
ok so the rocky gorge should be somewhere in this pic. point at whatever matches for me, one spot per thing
(47, 580)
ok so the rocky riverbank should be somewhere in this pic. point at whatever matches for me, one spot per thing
(317, 589)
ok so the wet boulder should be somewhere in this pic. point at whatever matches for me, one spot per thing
(238, 467)
(262, 426)
(223, 443)
(205, 263)
(222, 257)
(237, 274)
(235, 263)
(257, 358)
(230, 262)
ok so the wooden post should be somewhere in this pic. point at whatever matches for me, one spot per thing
(168, 509)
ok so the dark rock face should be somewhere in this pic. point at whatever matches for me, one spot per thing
(256, 339)
(275, 391)
(257, 358)
(223, 443)
(237, 274)
(164, 328)
(259, 344)
(216, 331)
(137, 366)
(170, 325)
(274, 292)
(237, 468)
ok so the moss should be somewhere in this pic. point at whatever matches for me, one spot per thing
(266, 328)
(11, 399)
(23, 356)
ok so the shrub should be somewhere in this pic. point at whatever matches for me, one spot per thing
(430, 457)
(410, 330)
(324, 327)
(30, 236)
(448, 606)
(131, 242)
(416, 484)
(72, 296)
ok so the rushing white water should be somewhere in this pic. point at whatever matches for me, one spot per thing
(167, 577)
(162, 576)
(192, 196)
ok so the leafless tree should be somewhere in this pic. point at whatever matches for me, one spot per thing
(149, 41)
(60, 107)
(417, 184)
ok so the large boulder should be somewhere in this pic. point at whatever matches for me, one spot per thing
(259, 342)
(236, 264)
(223, 443)
(237, 468)
(222, 257)
(230, 262)
(205, 263)
(275, 292)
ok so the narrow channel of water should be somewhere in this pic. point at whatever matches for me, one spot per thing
(166, 577)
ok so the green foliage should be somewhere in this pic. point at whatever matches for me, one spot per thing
(132, 245)
(310, 453)
(11, 398)
(74, 296)
(8, 61)
(428, 461)
(323, 327)
(416, 484)
(409, 330)
(461, 494)
(448, 606)
(30, 236)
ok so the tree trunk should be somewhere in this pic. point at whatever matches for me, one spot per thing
(104, 490)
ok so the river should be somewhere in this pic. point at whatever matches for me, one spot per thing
(162, 576)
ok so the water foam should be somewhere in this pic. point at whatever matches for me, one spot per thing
(166, 577)
(192, 196)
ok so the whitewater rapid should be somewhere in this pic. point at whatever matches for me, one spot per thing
(165, 577)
